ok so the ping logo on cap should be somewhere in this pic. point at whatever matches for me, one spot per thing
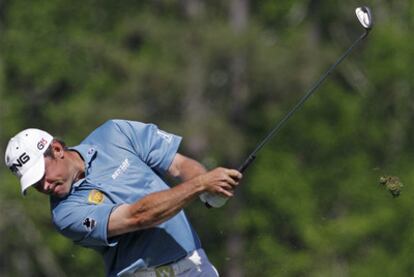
(20, 161)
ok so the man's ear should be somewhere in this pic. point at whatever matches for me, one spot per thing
(58, 149)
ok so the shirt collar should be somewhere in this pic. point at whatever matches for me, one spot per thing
(88, 154)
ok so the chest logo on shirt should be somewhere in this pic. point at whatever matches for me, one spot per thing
(121, 169)
(95, 197)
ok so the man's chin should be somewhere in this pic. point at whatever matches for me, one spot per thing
(59, 194)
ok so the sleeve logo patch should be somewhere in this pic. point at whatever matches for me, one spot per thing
(89, 223)
(95, 197)
(166, 136)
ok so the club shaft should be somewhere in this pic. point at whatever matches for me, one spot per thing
(308, 94)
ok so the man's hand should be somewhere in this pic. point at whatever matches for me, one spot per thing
(220, 181)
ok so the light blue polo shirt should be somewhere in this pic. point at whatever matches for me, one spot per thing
(124, 161)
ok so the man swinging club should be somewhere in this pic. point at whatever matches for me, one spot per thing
(108, 194)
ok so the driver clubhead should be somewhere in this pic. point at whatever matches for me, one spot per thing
(364, 16)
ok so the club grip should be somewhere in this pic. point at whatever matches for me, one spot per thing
(246, 163)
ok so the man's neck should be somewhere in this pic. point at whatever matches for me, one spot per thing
(78, 163)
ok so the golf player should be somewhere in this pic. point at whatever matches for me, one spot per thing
(109, 194)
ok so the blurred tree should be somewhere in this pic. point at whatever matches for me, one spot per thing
(238, 16)
(24, 252)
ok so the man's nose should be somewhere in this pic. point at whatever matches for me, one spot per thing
(47, 185)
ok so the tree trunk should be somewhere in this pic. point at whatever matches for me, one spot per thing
(238, 11)
(194, 105)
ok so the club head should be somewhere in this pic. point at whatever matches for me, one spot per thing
(364, 16)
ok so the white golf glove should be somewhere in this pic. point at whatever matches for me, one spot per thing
(213, 200)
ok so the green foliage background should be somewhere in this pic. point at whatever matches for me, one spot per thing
(310, 205)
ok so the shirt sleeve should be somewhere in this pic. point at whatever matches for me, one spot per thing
(85, 224)
(155, 147)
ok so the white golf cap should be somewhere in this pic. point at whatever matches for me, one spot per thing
(24, 156)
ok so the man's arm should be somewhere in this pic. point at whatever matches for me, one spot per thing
(185, 168)
(157, 207)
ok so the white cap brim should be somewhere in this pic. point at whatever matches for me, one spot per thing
(33, 175)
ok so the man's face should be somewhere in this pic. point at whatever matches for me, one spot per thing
(59, 176)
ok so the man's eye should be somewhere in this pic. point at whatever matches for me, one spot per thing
(38, 184)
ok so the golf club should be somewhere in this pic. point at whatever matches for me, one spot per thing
(364, 16)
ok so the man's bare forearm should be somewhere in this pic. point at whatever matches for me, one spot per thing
(153, 209)
(157, 207)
